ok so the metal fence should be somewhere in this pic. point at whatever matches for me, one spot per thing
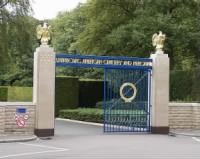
(127, 101)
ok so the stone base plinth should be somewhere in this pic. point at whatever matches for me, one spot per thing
(44, 132)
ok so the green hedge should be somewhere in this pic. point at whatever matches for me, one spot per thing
(66, 93)
(70, 92)
(19, 94)
(196, 85)
(90, 92)
(16, 94)
(83, 114)
(184, 85)
(3, 94)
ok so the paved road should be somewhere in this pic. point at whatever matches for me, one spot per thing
(78, 141)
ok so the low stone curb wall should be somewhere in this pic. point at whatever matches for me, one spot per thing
(17, 118)
(184, 116)
(181, 116)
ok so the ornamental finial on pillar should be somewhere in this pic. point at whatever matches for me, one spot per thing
(158, 40)
(43, 33)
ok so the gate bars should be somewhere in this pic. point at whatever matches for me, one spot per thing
(127, 89)
(122, 116)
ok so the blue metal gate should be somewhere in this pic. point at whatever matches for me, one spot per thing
(126, 89)
(127, 100)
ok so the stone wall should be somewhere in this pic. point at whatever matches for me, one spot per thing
(181, 116)
(184, 116)
(12, 121)
(2, 119)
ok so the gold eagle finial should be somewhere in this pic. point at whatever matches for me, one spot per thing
(158, 41)
(43, 33)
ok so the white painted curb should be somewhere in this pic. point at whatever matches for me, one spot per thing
(79, 122)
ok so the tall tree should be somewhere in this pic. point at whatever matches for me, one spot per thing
(125, 28)
(66, 28)
(17, 41)
(11, 11)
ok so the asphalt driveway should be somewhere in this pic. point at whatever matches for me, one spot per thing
(80, 141)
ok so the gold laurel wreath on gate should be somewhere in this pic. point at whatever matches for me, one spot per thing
(130, 99)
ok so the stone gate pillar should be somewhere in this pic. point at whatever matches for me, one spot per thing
(160, 93)
(44, 90)
(160, 86)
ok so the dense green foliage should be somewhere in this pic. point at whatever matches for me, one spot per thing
(184, 85)
(66, 93)
(105, 27)
(90, 92)
(72, 92)
(83, 114)
(3, 94)
(116, 27)
(86, 73)
(17, 42)
(125, 28)
(19, 94)
(16, 94)
(196, 86)
(96, 115)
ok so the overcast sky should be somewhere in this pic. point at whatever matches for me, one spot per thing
(47, 9)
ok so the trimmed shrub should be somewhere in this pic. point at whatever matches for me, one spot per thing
(66, 93)
(24, 82)
(180, 85)
(184, 85)
(83, 114)
(99, 104)
(19, 94)
(90, 92)
(196, 85)
(3, 94)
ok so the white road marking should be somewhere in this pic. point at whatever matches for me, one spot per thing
(79, 122)
(55, 149)
(43, 146)
(31, 153)
(196, 139)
